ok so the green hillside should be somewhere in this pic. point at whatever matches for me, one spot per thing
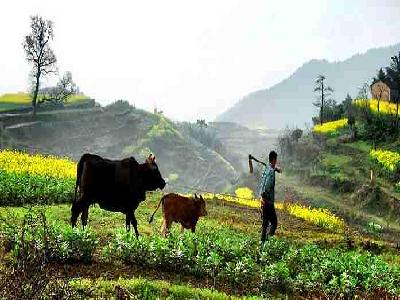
(356, 177)
(118, 131)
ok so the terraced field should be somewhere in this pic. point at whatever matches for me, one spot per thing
(223, 259)
(12, 101)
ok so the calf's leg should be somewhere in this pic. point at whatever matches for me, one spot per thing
(163, 227)
(166, 225)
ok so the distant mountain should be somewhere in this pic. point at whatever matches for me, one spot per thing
(289, 103)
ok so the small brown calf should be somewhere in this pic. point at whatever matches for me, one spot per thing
(180, 209)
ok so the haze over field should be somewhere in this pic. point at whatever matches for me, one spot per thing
(191, 60)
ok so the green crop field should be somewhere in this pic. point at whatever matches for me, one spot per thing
(223, 259)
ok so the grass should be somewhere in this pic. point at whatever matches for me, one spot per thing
(338, 203)
(361, 146)
(142, 288)
(237, 219)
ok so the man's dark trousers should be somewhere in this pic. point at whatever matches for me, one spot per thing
(268, 218)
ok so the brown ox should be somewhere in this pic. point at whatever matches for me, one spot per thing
(180, 209)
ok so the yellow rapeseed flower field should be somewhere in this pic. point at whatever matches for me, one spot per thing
(319, 216)
(384, 106)
(37, 164)
(330, 127)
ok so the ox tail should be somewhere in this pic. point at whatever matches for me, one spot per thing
(158, 206)
(79, 171)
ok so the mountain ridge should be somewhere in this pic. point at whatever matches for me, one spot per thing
(289, 102)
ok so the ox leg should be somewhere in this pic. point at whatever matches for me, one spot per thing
(134, 223)
(75, 211)
(193, 226)
(128, 222)
(85, 216)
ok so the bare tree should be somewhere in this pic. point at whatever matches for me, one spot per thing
(324, 97)
(363, 91)
(39, 53)
(65, 88)
(379, 88)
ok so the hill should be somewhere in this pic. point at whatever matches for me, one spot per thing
(290, 101)
(115, 133)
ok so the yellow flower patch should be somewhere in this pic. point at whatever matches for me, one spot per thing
(384, 106)
(37, 164)
(330, 127)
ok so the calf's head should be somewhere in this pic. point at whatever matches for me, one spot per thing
(151, 175)
(201, 204)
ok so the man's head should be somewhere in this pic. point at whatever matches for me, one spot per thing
(273, 156)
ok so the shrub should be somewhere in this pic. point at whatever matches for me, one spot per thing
(389, 160)
(62, 244)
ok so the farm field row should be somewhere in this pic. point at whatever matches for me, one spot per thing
(225, 249)
(311, 254)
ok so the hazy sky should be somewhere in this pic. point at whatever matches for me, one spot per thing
(192, 59)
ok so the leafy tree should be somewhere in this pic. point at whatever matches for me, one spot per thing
(39, 53)
(324, 98)
(349, 112)
(380, 76)
(201, 123)
(393, 75)
(296, 134)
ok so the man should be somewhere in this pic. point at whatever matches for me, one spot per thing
(267, 196)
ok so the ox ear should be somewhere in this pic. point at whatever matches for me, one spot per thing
(151, 158)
